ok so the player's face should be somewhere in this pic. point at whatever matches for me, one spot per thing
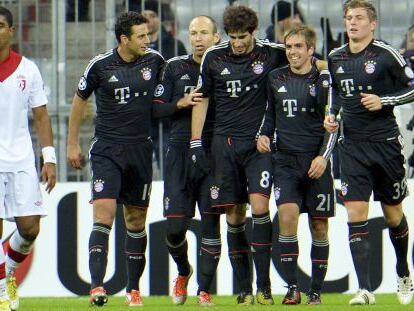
(139, 41)
(153, 21)
(297, 52)
(6, 33)
(202, 35)
(241, 42)
(358, 25)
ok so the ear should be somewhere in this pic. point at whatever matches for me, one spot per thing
(216, 37)
(311, 50)
(124, 39)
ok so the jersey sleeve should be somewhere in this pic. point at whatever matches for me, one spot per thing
(90, 79)
(267, 127)
(401, 72)
(334, 104)
(205, 79)
(37, 95)
(163, 103)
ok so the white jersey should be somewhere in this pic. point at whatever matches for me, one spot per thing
(21, 89)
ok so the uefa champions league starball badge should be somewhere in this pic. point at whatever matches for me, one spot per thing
(146, 73)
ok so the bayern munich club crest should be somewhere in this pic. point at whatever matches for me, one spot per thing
(344, 188)
(258, 68)
(146, 73)
(312, 90)
(277, 193)
(98, 185)
(370, 67)
(214, 192)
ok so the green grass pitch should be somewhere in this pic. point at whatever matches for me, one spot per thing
(334, 302)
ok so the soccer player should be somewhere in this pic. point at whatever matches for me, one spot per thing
(234, 75)
(369, 79)
(123, 80)
(174, 97)
(297, 96)
(20, 198)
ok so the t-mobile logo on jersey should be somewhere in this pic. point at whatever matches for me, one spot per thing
(233, 87)
(289, 106)
(122, 94)
(347, 86)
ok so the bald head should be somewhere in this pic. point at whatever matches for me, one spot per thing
(203, 34)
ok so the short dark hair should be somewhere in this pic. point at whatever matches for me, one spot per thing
(307, 32)
(364, 4)
(125, 22)
(239, 19)
(7, 14)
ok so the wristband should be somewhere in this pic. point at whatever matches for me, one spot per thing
(49, 155)
(195, 143)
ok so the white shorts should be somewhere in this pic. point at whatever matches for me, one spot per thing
(20, 194)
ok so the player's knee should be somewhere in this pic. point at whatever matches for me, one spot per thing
(236, 215)
(29, 233)
(135, 218)
(260, 204)
(176, 229)
(319, 229)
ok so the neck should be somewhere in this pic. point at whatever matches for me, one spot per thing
(358, 46)
(197, 58)
(307, 67)
(4, 54)
(125, 55)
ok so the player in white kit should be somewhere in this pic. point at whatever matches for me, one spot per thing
(21, 90)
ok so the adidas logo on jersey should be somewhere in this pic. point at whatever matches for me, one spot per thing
(185, 77)
(225, 72)
(113, 79)
(340, 70)
(282, 89)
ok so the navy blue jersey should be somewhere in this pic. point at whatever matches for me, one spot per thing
(379, 69)
(179, 77)
(123, 94)
(296, 110)
(238, 85)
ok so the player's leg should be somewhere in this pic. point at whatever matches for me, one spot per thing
(25, 205)
(288, 214)
(320, 203)
(239, 251)
(178, 209)
(105, 186)
(356, 189)
(135, 247)
(398, 232)
(103, 216)
(259, 176)
(135, 195)
(319, 257)
(288, 194)
(210, 250)
(4, 302)
(391, 189)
